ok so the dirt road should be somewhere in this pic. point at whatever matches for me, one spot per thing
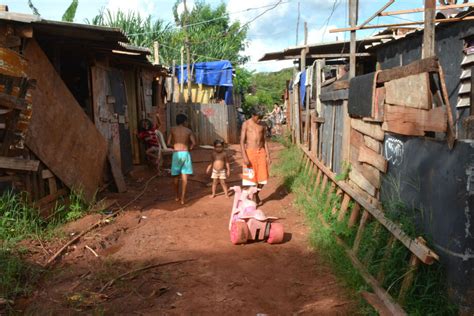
(221, 278)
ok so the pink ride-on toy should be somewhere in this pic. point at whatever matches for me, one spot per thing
(249, 223)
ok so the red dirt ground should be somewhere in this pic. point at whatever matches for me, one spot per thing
(222, 278)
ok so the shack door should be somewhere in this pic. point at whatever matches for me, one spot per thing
(117, 86)
(105, 118)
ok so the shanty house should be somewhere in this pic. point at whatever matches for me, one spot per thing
(89, 90)
(403, 128)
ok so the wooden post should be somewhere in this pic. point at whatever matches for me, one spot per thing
(471, 97)
(319, 66)
(344, 206)
(188, 53)
(429, 29)
(156, 53)
(353, 13)
(307, 118)
(314, 135)
(305, 49)
(303, 68)
(409, 277)
(354, 214)
(360, 231)
(297, 115)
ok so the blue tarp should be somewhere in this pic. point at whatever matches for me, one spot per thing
(302, 88)
(213, 73)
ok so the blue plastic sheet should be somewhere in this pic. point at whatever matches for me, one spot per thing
(302, 88)
(213, 73)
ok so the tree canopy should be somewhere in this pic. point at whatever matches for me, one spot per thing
(212, 36)
(266, 88)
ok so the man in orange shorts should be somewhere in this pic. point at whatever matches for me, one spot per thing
(255, 153)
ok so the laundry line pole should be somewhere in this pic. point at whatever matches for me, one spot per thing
(188, 54)
(353, 14)
(182, 71)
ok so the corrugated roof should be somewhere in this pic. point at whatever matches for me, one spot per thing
(334, 48)
(100, 38)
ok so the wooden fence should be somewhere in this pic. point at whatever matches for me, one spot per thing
(328, 136)
(208, 121)
(321, 180)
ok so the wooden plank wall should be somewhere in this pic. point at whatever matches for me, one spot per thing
(208, 121)
(132, 98)
(60, 133)
(331, 132)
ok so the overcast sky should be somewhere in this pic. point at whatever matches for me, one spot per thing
(273, 31)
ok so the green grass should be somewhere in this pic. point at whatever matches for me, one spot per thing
(18, 221)
(428, 293)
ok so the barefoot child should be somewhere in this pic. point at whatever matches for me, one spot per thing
(183, 141)
(220, 167)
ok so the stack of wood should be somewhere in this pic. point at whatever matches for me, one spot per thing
(404, 103)
(20, 170)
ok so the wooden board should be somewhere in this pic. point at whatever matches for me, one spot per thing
(105, 119)
(340, 84)
(369, 156)
(369, 172)
(60, 133)
(373, 144)
(390, 305)
(19, 164)
(13, 64)
(362, 182)
(414, 122)
(416, 67)
(371, 129)
(412, 91)
(424, 253)
(117, 174)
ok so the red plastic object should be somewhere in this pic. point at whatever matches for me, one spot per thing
(239, 233)
(276, 234)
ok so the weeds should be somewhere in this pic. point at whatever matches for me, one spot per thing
(386, 259)
(18, 221)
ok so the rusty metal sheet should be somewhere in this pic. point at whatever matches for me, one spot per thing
(12, 63)
(60, 133)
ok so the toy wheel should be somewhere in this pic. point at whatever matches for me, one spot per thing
(239, 233)
(276, 234)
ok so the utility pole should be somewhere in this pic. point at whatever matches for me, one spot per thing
(305, 49)
(429, 29)
(297, 25)
(307, 117)
(353, 15)
(182, 71)
(188, 54)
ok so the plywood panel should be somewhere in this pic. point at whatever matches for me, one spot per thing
(410, 121)
(131, 91)
(13, 64)
(412, 91)
(60, 133)
(104, 118)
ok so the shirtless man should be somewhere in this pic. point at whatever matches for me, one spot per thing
(183, 141)
(255, 153)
